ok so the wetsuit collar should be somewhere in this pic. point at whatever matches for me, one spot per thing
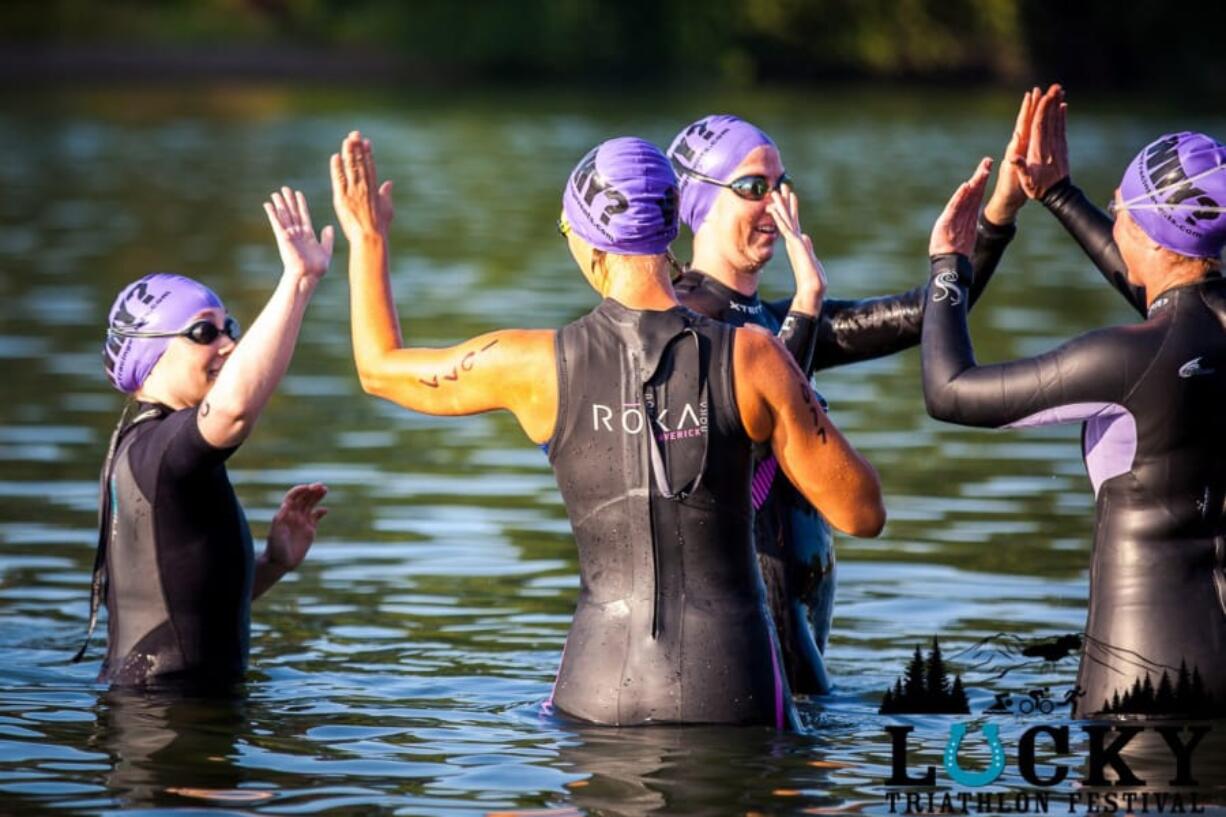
(737, 302)
(1172, 294)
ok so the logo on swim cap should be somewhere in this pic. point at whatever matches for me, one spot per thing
(1175, 190)
(159, 302)
(622, 198)
(712, 146)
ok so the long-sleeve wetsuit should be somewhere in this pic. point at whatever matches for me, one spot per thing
(1150, 397)
(795, 548)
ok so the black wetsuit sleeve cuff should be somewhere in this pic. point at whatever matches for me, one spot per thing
(799, 335)
(996, 232)
(1059, 192)
(953, 268)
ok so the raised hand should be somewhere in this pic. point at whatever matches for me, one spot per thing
(362, 204)
(784, 208)
(290, 218)
(954, 231)
(293, 527)
(1009, 196)
(1046, 160)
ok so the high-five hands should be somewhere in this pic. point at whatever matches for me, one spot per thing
(954, 231)
(1046, 160)
(301, 253)
(362, 204)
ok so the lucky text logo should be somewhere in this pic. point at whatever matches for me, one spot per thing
(1037, 764)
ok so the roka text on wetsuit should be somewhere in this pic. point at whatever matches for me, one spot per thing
(794, 543)
(653, 463)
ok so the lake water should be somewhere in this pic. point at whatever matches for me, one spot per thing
(402, 669)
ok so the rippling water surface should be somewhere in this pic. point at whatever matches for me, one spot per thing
(402, 668)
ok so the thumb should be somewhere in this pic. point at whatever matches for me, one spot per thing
(327, 238)
(385, 189)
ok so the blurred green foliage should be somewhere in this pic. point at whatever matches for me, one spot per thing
(1143, 45)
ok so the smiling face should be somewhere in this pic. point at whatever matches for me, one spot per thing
(738, 230)
(187, 370)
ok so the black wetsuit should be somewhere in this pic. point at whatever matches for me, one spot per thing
(178, 557)
(1150, 396)
(794, 543)
(654, 466)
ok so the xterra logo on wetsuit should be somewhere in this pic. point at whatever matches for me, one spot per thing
(752, 309)
(630, 418)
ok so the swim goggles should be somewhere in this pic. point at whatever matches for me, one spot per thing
(754, 187)
(1139, 202)
(203, 332)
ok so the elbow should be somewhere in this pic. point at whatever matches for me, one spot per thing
(939, 401)
(864, 516)
(868, 519)
(371, 379)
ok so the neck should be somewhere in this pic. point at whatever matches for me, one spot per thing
(1169, 279)
(710, 262)
(641, 282)
(150, 393)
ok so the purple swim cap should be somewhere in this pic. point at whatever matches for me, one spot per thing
(712, 146)
(159, 302)
(1175, 190)
(622, 198)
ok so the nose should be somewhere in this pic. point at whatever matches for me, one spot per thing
(227, 346)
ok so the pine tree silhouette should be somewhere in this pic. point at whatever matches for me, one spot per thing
(924, 688)
(913, 680)
(936, 682)
(1164, 699)
(957, 698)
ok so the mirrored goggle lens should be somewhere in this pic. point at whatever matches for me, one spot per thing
(756, 188)
(206, 332)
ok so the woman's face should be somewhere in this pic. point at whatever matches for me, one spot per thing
(742, 231)
(187, 370)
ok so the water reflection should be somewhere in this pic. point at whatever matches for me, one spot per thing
(167, 750)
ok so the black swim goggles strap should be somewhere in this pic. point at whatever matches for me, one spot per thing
(658, 468)
(105, 524)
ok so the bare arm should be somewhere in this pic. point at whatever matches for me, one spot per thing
(510, 369)
(290, 535)
(777, 404)
(256, 366)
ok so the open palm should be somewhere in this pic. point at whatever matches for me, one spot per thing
(301, 252)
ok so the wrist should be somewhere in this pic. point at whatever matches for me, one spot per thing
(1002, 209)
(269, 562)
(808, 300)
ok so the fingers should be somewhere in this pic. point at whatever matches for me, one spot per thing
(304, 212)
(305, 497)
(273, 219)
(318, 514)
(327, 239)
(340, 183)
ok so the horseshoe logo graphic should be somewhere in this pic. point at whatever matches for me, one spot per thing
(995, 767)
(947, 288)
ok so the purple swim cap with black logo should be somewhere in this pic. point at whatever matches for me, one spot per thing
(1175, 190)
(160, 302)
(712, 146)
(622, 198)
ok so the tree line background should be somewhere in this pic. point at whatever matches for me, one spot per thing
(1150, 46)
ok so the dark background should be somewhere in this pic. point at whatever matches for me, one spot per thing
(1167, 51)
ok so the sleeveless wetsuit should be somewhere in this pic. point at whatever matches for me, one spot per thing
(671, 625)
(178, 557)
(794, 543)
(1150, 397)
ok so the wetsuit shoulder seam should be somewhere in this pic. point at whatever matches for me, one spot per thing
(561, 417)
